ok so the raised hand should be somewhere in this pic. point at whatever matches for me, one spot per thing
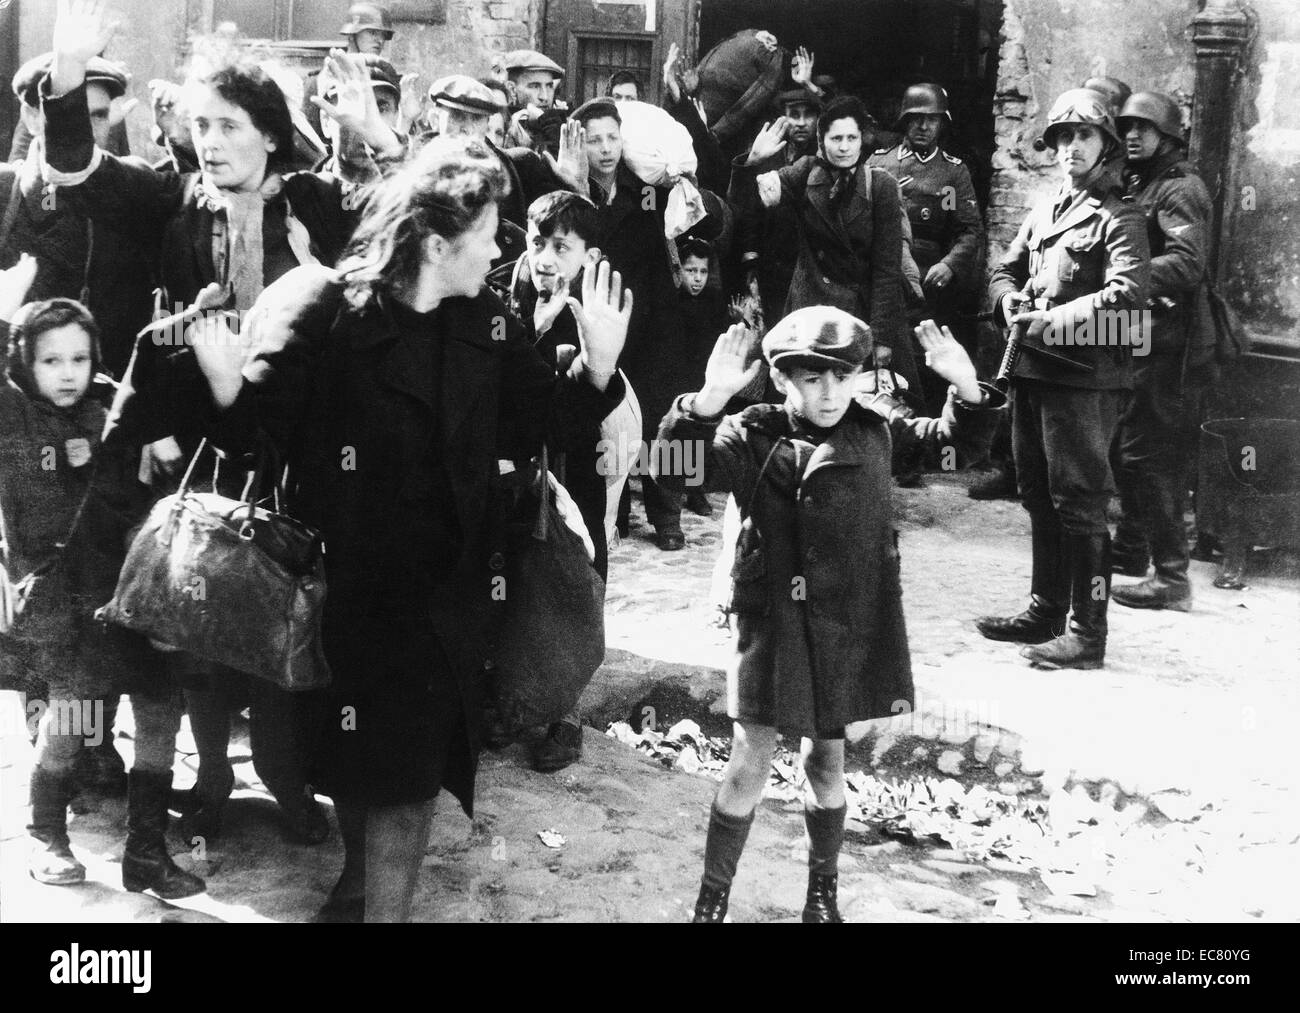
(946, 357)
(671, 81)
(769, 141)
(602, 321)
(82, 29)
(355, 108)
(801, 67)
(163, 98)
(219, 351)
(728, 371)
(411, 103)
(572, 165)
(14, 284)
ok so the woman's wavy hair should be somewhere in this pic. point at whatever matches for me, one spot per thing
(442, 191)
(238, 77)
(846, 107)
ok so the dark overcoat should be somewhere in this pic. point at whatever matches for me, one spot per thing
(821, 641)
(392, 428)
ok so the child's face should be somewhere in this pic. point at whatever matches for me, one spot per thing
(695, 274)
(554, 260)
(822, 397)
(62, 364)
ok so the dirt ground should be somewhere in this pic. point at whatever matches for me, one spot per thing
(1161, 788)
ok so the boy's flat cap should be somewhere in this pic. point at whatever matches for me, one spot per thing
(817, 337)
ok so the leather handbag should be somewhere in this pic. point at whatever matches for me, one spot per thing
(552, 634)
(229, 581)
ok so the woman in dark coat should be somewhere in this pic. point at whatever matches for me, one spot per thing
(392, 388)
(850, 227)
(224, 232)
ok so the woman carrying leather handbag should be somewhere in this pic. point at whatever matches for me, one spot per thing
(241, 222)
(392, 387)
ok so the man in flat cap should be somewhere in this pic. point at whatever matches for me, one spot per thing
(538, 113)
(464, 106)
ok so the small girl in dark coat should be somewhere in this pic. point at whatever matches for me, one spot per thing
(67, 506)
(815, 586)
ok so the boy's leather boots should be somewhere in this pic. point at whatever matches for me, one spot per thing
(52, 860)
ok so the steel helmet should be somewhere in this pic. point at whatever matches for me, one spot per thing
(368, 16)
(1159, 110)
(1115, 90)
(1080, 105)
(923, 100)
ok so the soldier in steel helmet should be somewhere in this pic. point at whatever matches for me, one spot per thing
(1080, 256)
(939, 201)
(1158, 430)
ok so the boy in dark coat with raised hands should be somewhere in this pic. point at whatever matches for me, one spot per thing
(821, 642)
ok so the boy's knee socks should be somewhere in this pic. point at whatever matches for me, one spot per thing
(726, 840)
(825, 836)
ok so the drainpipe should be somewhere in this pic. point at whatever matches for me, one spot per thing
(1220, 34)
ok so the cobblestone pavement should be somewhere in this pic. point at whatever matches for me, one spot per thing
(1168, 779)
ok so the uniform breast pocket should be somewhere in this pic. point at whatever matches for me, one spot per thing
(1079, 260)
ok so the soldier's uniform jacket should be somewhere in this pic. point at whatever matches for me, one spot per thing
(939, 200)
(1177, 209)
(1090, 258)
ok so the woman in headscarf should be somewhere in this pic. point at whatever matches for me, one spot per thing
(850, 226)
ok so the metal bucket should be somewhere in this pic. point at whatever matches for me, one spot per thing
(1248, 489)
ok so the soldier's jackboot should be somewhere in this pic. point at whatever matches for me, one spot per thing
(1083, 644)
(1168, 587)
(1049, 592)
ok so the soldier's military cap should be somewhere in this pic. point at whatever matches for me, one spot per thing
(520, 60)
(112, 76)
(459, 91)
(817, 337)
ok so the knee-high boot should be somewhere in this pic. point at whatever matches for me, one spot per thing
(1049, 591)
(52, 860)
(1084, 643)
(146, 863)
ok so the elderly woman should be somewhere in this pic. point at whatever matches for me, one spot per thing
(222, 233)
(850, 226)
(393, 387)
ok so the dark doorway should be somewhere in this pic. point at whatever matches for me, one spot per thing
(876, 48)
